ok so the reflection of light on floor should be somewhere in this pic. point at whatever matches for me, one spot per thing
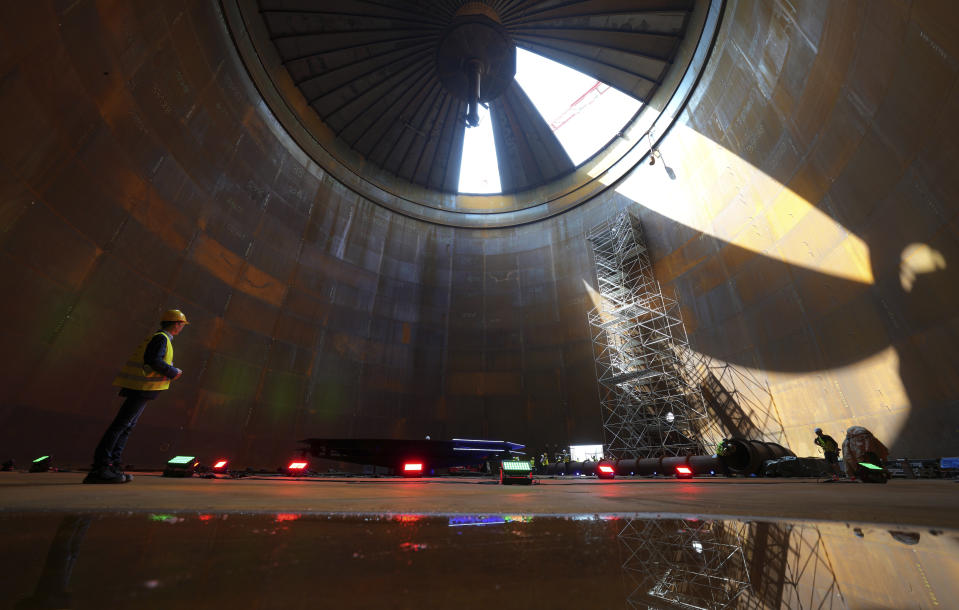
(917, 259)
(723, 196)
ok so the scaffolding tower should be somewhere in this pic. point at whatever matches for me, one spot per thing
(650, 409)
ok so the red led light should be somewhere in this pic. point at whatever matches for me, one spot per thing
(684, 470)
(296, 466)
(412, 467)
(220, 464)
(407, 518)
(605, 468)
(287, 517)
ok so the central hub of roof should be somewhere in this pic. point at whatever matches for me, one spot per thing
(476, 57)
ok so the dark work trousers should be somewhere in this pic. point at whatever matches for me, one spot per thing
(114, 439)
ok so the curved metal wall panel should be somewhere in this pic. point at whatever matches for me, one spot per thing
(140, 170)
(810, 228)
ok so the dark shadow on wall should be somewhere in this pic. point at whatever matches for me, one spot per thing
(738, 404)
(751, 310)
(868, 139)
(722, 405)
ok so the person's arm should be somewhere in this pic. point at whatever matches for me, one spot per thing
(154, 356)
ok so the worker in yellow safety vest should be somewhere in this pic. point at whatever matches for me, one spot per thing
(147, 372)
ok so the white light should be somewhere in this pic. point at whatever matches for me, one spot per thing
(697, 546)
(476, 440)
(917, 259)
(580, 453)
(670, 417)
(479, 171)
(584, 113)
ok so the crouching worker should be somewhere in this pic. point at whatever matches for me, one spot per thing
(147, 372)
(865, 456)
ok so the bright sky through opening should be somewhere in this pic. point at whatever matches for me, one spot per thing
(478, 171)
(584, 114)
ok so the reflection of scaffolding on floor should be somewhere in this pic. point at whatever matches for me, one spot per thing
(640, 343)
(682, 564)
(766, 549)
(788, 568)
(714, 565)
(738, 403)
(810, 578)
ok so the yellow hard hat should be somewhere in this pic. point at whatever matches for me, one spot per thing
(173, 315)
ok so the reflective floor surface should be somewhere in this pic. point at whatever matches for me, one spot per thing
(495, 561)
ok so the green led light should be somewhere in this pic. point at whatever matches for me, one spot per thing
(182, 459)
(517, 518)
(870, 466)
(165, 518)
(516, 466)
(40, 459)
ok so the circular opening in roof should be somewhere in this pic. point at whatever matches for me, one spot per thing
(577, 116)
(358, 86)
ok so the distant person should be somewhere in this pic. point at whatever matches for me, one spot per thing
(723, 448)
(727, 452)
(830, 449)
(147, 372)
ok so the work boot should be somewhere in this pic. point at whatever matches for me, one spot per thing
(104, 475)
(117, 469)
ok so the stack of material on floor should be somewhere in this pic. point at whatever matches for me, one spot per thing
(791, 466)
(860, 445)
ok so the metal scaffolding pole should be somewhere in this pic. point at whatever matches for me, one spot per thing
(687, 564)
(640, 345)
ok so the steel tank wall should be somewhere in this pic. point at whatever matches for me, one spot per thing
(811, 228)
(140, 170)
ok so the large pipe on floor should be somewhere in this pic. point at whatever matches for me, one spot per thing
(745, 457)
(572, 468)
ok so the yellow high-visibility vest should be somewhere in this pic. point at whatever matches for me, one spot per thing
(138, 376)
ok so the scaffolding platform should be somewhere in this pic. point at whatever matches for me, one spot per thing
(641, 350)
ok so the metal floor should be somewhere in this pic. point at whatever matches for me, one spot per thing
(271, 542)
(926, 503)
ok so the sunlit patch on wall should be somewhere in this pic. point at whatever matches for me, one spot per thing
(723, 196)
(881, 401)
(917, 259)
(592, 294)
